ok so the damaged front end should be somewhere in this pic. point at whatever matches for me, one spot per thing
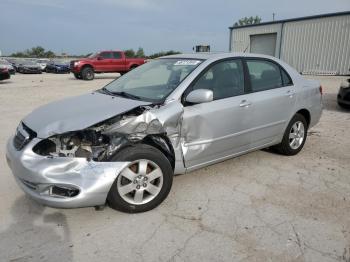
(77, 168)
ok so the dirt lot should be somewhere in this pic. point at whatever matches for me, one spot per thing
(257, 207)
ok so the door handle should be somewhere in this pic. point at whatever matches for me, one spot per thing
(290, 93)
(245, 103)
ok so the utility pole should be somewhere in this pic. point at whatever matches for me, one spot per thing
(273, 16)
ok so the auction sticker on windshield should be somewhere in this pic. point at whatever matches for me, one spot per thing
(187, 62)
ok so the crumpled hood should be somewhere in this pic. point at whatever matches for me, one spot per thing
(77, 113)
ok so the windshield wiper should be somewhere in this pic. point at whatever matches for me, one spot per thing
(106, 91)
(127, 95)
(122, 94)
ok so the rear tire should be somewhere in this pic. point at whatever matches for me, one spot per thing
(87, 73)
(294, 136)
(147, 163)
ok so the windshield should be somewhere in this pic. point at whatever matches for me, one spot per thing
(155, 80)
(28, 62)
(93, 55)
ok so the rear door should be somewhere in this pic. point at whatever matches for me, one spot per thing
(118, 62)
(272, 100)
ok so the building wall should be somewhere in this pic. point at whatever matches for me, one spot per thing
(241, 37)
(317, 46)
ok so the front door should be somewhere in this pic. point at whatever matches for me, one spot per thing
(216, 130)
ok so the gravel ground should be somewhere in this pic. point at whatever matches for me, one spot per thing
(257, 207)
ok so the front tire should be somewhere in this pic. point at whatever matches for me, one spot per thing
(87, 73)
(294, 136)
(144, 183)
(77, 76)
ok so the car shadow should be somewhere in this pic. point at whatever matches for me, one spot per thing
(35, 235)
(3, 82)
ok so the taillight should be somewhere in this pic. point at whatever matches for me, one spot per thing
(321, 90)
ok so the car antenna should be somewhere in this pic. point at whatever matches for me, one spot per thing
(246, 48)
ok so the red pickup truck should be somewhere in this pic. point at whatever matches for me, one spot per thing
(103, 62)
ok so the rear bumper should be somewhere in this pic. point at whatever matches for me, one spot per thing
(39, 175)
(344, 95)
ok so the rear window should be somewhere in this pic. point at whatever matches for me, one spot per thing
(117, 55)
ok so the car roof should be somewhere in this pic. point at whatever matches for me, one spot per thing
(215, 56)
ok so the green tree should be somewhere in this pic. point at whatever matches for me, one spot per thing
(248, 21)
(19, 54)
(49, 54)
(37, 51)
(140, 52)
(130, 53)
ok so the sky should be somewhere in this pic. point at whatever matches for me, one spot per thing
(85, 26)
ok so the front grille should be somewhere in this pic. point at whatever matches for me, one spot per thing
(23, 136)
(71, 65)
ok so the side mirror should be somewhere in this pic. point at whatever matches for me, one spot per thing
(99, 58)
(200, 96)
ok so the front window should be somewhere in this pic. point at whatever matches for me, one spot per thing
(155, 80)
(106, 55)
(225, 79)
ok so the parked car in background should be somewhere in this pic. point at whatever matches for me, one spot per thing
(103, 62)
(4, 73)
(28, 67)
(57, 66)
(8, 65)
(14, 62)
(343, 97)
(42, 62)
(123, 143)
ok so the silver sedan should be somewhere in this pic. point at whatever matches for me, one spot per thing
(123, 143)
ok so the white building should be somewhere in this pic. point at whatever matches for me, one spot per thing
(313, 45)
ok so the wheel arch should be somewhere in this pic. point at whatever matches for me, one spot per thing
(133, 66)
(85, 66)
(306, 114)
(163, 144)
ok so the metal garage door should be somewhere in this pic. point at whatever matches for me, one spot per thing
(263, 44)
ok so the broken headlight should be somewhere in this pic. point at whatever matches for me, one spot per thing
(88, 144)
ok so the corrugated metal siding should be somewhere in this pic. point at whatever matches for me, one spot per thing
(241, 37)
(319, 45)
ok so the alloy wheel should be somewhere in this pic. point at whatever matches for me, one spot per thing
(140, 182)
(296, 135)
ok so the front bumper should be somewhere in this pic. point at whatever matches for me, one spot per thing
(37, 175)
